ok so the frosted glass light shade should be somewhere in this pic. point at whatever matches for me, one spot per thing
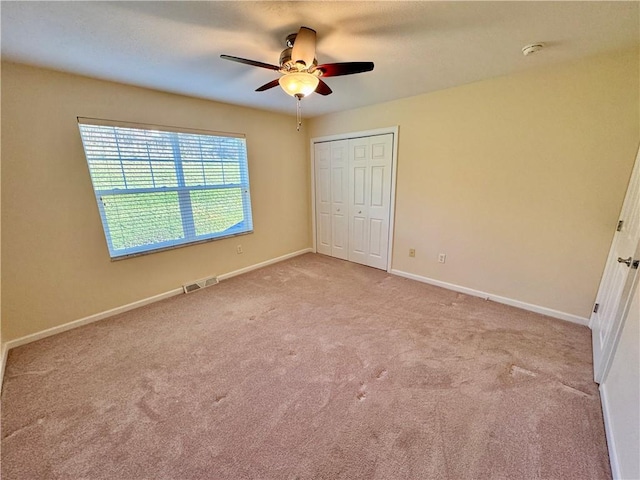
(299, 83)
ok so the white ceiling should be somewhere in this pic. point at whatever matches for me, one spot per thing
(417, 47)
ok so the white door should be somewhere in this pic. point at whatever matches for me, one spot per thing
(332, 177)
(370, 161)
(612, 296)
(322, 158)
(339, 196)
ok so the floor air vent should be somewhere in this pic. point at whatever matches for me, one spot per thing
(199, 284)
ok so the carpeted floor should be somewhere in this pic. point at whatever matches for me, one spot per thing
(313, 368)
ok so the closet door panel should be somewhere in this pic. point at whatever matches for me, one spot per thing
(358, 240)
(376, 233)
(377, 186)
(359, 198)
(324, 234)
(379, 200)
(339, 199)
(322, 155)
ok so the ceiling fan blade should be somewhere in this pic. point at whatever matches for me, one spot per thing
(267, 86)
(253, 63)
(323, 88)
(346, 68)
(304, 46)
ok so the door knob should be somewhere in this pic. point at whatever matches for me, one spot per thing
(360, 211)
(625, 260)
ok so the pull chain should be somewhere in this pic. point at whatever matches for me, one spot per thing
(298, 112)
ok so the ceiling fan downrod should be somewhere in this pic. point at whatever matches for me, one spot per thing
(298, 112)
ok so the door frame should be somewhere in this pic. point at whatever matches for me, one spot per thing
(394, 164)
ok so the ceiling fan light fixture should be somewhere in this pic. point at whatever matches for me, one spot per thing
(299, 83)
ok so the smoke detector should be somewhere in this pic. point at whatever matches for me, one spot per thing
(533, 48)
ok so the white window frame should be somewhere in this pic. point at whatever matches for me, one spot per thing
(182, 189)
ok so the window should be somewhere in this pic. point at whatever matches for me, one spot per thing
(159, 188)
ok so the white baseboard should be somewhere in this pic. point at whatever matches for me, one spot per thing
(140, 303)
(90, 319)
(4, 351)
(611, 444)
(250, 268)
(495, 298)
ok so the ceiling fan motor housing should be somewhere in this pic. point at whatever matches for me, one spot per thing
(291, 38)
(287, 64)
(285, 58)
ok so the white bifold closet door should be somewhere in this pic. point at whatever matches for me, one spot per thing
(332, 209)
(353, 199)
(370, 199)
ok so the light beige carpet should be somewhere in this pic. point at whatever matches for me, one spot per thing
(313, 368)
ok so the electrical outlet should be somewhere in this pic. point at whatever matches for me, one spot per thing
(239, 249)
(412, 252)
(442, 258)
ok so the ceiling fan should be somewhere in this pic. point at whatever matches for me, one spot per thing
(301, 74)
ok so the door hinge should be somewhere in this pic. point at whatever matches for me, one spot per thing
(620, 223)
(596, 307)
(635, 264)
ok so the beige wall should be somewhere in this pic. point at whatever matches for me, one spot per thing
(55, 261)
(518, 179)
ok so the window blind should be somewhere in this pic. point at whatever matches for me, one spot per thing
(157, 189)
